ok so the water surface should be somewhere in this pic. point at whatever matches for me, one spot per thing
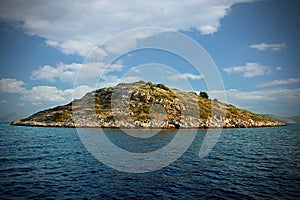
(52, 163)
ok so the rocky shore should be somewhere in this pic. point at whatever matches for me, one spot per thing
(152, 125)
(146, 105)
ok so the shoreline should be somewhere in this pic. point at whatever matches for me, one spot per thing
(148, 128)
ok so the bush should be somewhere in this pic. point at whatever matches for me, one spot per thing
(204, 95)
(162, 86)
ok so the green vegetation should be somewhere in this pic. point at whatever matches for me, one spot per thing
(61, 116)
(162, 86)
(204, 95)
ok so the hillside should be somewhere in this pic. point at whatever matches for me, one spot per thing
(146, 105)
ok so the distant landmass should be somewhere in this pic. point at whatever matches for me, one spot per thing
(296, 119)
(11, 117)
(146, 105)
(287, 120)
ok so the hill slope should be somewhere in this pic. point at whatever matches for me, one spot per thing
(146, 105)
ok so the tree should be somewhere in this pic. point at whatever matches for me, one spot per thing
(204, 95)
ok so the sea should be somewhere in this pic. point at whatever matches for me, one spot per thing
(53, 163)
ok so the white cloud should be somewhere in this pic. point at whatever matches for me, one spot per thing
(41, 94)
(97, 54)
(280, 82)
(185, 76)
(233, 95)
(265, 47)
(281, 101)
(10, 85)
(111, 80)
(128, 40)
(3, 101)
(80, 46)
(207, 29)
(273, 101)
(76, 26)
(80, 91)
(261, 95)
(62, 71)
(249, 70)
(46, 94)
(279, 68)
(52, 95)
(68, 72)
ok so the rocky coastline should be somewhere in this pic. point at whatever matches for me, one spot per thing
(205, 125)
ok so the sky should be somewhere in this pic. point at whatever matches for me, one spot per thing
(52, 52)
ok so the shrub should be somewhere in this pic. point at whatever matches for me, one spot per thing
(204, 95)
(162, 86)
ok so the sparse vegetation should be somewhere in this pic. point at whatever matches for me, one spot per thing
(180, 109)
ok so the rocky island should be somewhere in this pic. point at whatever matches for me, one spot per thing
(146, 105)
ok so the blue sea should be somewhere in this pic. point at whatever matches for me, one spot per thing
(52, 163)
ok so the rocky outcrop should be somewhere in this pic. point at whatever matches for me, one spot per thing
(146, 105)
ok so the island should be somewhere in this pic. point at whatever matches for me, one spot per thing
(146, 105)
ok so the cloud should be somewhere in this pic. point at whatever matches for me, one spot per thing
(46, 94)
(62, 71)
(279, 68)
(249, 70)
(41, 94)
(281, 101)
(52, 95)
(80, 91)
(184, 76)
(272, 47)
(3, 101)
(128, 40)
(238, 97)
(10, 85)
(77, 26)
(68, 72)
(280, 82)
(112, 80)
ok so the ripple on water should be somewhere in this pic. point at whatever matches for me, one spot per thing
(52, 163)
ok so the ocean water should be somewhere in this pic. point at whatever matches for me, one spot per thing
(52, 163)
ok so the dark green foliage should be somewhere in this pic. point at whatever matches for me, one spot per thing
(109, 119)
(203, 94)
(60, 116)
(65, 107)
(162, 86)
(143, 99)
(146, 109)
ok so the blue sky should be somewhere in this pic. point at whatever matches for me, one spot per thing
(44, 45)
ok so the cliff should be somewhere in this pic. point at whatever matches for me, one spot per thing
(146, 105)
